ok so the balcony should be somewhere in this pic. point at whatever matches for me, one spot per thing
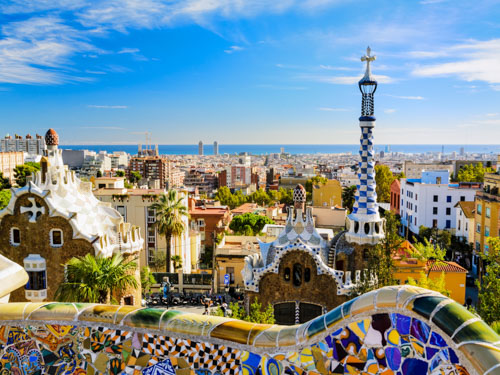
(488, 196)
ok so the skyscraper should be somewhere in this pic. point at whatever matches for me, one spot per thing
(365, 224)
(216, 148)
(200, 148)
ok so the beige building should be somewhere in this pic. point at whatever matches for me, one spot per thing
(487, 212)
(135, 207)
(329, 217)
(414, 170)
(327, 195)
(8, 161)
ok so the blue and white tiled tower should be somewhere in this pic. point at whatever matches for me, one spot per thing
(365, 224)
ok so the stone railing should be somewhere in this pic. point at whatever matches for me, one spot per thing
(394, 330)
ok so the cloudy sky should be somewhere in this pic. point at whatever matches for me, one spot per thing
(249, 71)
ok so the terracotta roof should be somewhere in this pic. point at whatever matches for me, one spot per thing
(468, 208)
(445, 266)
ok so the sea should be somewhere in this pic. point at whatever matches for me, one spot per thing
(294, 149)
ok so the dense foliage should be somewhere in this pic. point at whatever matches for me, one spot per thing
(383, 179)
(473, 173)
(256, 314)
(489, 288)
(23, 171)
(249, 224)
(147, 280)
(95, 279)
(348, 197)
(4, 198)
(261, 197)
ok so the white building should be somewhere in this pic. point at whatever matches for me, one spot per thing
(430, 201)
(31, 145)
(465, 214)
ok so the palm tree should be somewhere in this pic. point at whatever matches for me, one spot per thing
(94, 278)
(147, 280)
(170, 211)
(177, 261)
(348, 197)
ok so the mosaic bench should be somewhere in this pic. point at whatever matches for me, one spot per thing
(394, 330)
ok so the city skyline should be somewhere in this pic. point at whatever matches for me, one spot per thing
(249, 72)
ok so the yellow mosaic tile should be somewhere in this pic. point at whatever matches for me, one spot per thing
(267, 339)
(13, 311)
(256, 330)
(386, 297)
(124, 311)
(30, 307)
(481, 357)
(301, 336)
(406, 293)
(363, 303)
(55, 311)
(99, 313)
(287, 336)
(233, 330)
(186, 324)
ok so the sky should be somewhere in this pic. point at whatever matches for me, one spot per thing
(249, 71)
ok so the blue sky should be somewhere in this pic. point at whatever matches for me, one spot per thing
(242, 71)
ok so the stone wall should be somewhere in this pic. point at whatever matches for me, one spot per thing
(395, 330)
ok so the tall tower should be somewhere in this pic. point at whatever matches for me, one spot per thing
(365, 224)
(200, 148)
(216, 148)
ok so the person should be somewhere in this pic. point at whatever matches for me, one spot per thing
(166, 290)
(207, 304)
(224, 308)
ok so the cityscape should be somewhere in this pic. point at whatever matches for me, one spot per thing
(352, 241)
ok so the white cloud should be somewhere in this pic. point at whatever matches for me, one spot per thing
(233, 49)
(389, 111)
(472, 61)
(407, 97)
(102, 127)
(128, 50)
(347, 80)
(328, 109)
(107, 106)
(330, 67)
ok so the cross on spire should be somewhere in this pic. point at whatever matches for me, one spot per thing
(35, 209)
(368, 58)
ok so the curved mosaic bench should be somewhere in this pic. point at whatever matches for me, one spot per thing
(394, 330)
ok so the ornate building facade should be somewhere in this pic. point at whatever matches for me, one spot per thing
(56, 217)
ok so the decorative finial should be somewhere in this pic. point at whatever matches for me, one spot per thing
(368, 58)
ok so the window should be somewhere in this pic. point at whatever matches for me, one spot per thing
(448, 224)
(434, 223)
(479, 209)
(486, 249)
(36, 281)
(448, 198)
(459, 222)
(448, 211)
(415, 220)
(230, 272)
(123, 211)
(478, 246)
(434, 210)
(435, 198)
(297, 274)
(287, 274)
(478, 228)
(488, 212)
(462, 198)
(415, 208)
(466, 226)
(486, 231)
(416, 196)
(56, 238)
(307, 275)
(201, 223)
(15, 236)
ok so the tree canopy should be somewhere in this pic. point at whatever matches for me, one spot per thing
(249, 224)
(94, 279)
(348, 197)
(316, 180)
(489, 288)
(383, 179)
(473, 173)
(4, 182)
(261, 197)
(4, 198)
(255, 315)
(23, 171)
(134, 177)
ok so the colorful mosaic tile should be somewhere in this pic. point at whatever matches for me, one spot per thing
(424, 334)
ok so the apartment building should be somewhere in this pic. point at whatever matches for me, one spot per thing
(8, 161)
(487, 215)
(31, 145)
(150, 168)
(414, 170)
(430, 200)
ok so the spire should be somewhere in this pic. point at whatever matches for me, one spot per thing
(366, 226)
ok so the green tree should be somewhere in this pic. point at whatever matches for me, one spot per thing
(256, 314)
(120, 173)
(23, 171)
(98, 173)
(95, 279)
(158, 261)
(170, 211)
(4, 198)
(177, 260)
(473, 173)
(249, 224)
(383, 179)
(260, 197)
(316, 180)
(134, 177)
(426, 282)
(348, 197)
(147, 280)
(286, 196)
(4, 182)
(489, 288)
